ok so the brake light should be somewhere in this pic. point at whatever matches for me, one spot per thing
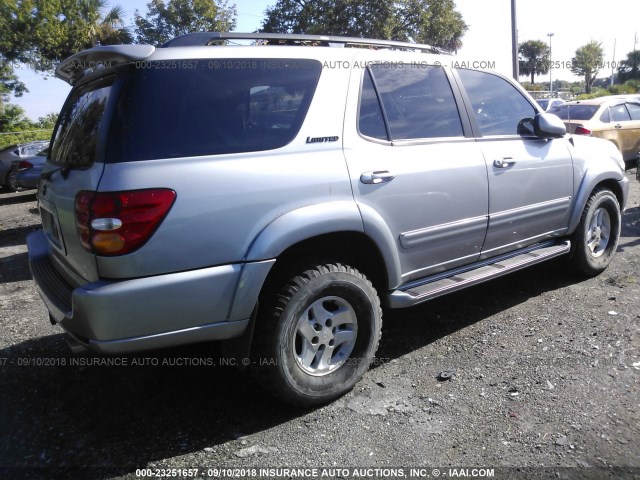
(116, 223)
(23, 164)
(580, 130)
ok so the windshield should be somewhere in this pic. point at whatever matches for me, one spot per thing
(575, 112)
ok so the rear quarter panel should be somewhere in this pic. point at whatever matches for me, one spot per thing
(223, 202)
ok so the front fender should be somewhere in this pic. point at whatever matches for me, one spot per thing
(595, 161)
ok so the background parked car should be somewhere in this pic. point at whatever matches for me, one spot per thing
(25, 174)
(548, 103)
(17, 152)
(613, 118)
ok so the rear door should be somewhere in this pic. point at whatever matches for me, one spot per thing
(625, 119)
(413, 169)
(75, 163)
(530, 179)
(634, 131)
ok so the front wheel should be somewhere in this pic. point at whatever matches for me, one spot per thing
(596, 238)
(317, 335)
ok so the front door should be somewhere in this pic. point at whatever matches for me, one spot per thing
(530, 179)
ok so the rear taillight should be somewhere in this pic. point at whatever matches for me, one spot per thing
(23, 164)
(580, 130)
(116, 223)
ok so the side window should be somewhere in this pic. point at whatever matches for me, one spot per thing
(417, 101)
(211, 108)
(370, 119)
(76, 138)
(634, 110)
(619, 113)
(497, 105)
(605, 117)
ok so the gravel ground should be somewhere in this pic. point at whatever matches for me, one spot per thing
(546, 373)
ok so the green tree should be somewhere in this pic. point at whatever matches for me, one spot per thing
(9, 84)
(17, 128)
(534, 58)
(630, 67)
(435, 22)
(587, 62)
(48, 121)
(43, 32)
(165, 21)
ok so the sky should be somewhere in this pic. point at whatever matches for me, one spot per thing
(488, 39)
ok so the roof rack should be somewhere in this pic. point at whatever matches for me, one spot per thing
(210, 38)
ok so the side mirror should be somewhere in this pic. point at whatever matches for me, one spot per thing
(548, 125)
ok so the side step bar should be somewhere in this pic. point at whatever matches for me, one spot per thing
(437, 285)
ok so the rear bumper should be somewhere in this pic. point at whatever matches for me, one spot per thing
(153, 312)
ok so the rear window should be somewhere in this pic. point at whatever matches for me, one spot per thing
(76, 136)
(575, 112)
(209, 107)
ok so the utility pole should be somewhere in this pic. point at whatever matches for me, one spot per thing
(514, 41)
(550, 66)
(613, 60)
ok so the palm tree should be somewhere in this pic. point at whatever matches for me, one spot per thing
(107, 30)
(534, 58)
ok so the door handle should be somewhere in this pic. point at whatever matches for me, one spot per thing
(378, 176)
(617, 125)
(506, 162)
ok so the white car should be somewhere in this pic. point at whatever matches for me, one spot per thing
(548, 103)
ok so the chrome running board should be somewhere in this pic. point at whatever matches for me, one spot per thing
(428, 288)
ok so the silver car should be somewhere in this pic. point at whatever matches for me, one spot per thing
(275, 195)
(17, 153)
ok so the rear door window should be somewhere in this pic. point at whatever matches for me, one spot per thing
(575, 112)
(210, 107)
(418, 103)
(634, 110)
(619, 113)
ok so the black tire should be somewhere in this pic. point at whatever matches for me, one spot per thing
(317, 335)
(596, 238)
(11, 183)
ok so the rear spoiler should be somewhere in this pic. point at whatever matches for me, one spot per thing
(100, 58)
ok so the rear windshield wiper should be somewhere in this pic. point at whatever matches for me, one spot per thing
(64, 171)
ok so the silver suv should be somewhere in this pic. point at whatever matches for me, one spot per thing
(273, 194)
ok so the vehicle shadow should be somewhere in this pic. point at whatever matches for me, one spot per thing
(119, 414)
(116, 414)
(16, 236)
(409, 329)
(630, 229)
(15, 268)
(60, 411)
(7, 198)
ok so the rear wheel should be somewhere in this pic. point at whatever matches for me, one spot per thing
(596, 238)
(317, 335)
(12, 185)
